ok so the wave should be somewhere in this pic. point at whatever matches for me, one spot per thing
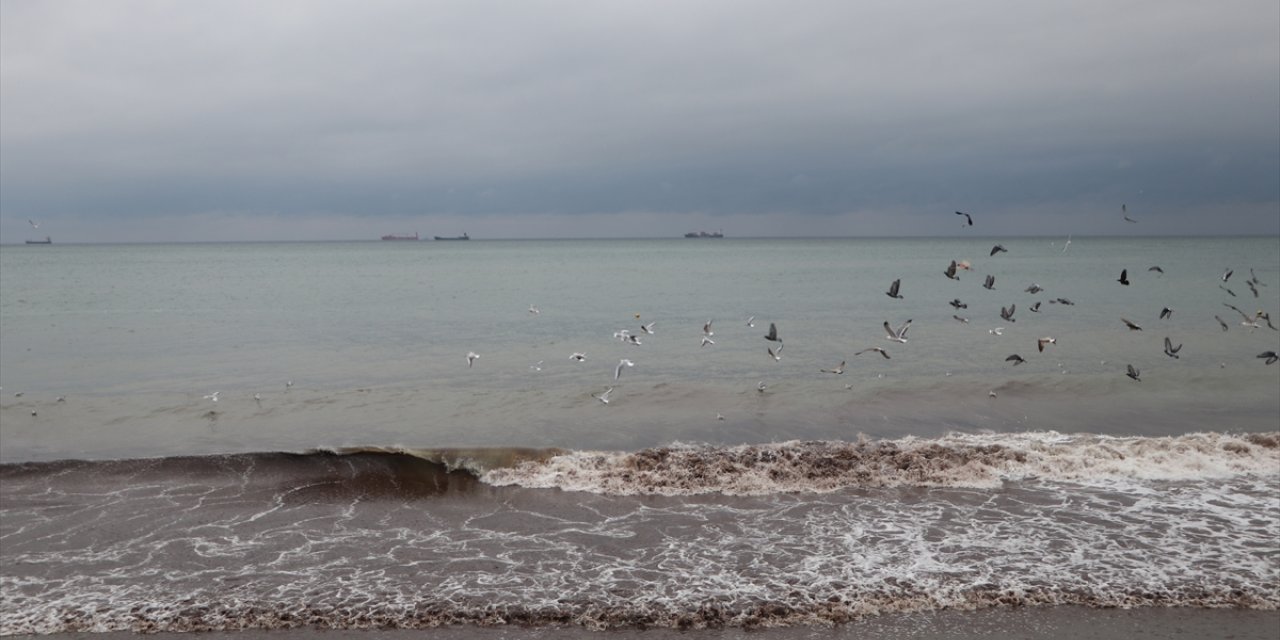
(956, 460)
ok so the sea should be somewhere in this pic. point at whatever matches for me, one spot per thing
(379, 438)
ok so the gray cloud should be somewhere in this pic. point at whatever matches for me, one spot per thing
(735, 112)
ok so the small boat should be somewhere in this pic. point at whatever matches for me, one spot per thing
(464, 236)
(393, 236)
(704, 234)
(47, 240)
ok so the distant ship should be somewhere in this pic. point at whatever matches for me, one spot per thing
(464, 236)
(393, 236)
(704, 234)
(47, 240)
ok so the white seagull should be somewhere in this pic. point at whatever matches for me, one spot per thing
(706, 341)
(578, 355)
(706, 329)
(622, 363)
(534, 310)
(648, 328)
(897, 336)
(471, 358)
(213, 396)
(603, 396)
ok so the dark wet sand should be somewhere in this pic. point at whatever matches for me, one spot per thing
(998, 624)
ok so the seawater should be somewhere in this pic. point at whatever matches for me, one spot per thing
(393, 485)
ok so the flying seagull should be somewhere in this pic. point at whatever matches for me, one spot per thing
(1035, 308)
(1254, 278)
(897, 336)
(959, 319)
(1067, 245)
(967, 217)
(1166, 313)
(877, 350)
(33, 223)
(213, 396)
(648, 328)
(1124, 277)
(1157, 270)
(706, 341)
(990, 284)
(706, 328)
(1170, 350)
(1007, 312)
(578, 355)
(1252, 323)
(751, 322)
(603, 396)
(1043, 341)
(1132, 326)
(1227, 274)
(951, 271)
(471, 358)
(1221, 322)
(772, 336)
(958, 305)
(1034, 288)
(893, 290)
(1133, 373)
(534, 310)
(1015, 359)
(1063, 301)
(997, 249)
(1125, 211)
(1270, 356)
(1252, 288)
(1233, 294)
(774, 354)
(998, 331)
(622, 363)
(838, 370)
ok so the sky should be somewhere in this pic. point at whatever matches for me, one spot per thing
(136, 120)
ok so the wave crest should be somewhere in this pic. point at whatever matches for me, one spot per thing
(957, 460)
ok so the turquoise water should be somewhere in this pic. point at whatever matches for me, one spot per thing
(374, 337)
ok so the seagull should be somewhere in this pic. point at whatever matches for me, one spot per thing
(957, 304)
(1271, 356)
(706, 328)
(967, 217)
(257, 397)
(1252, 323)
(706, 341)
(1221, 322)
(1133, 373)
(288, 385)
(893, 290)
(578, 355)
(1252, 288)
(761, 387)
(1043, 341)
(1233, 294)
(876, 349)
(1132, 326)
(534, 310)
(1063, 301)
(900, 335)
(632, 339)
(33, 223)
(1035, 308)
(772, 336)
(998, 331)
(991, 394)
(959, 319)
(719, 416)
(751, 322)
(990, 284)
(838, 370)
(1007, 313)
(951, 271)
(1170, 350)
(603, 396)
(1227, 275)
(1034, 288)
(621, 335)
(1267, 317)
(1166, 313)
(1157, 270)
(1067, 245)
(997, 249)
(537, 366)
(648, 328)
(1254, 278)
(1015, 359)
(471, 358)
(1125, 210)
(622, 363)
(213, 396)
(1124, 277)
(772, 354)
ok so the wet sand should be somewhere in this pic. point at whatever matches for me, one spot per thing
(995, 624)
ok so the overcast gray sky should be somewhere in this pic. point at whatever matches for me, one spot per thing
(296, 120)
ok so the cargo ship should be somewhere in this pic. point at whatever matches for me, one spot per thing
(464, 236)
(47, 240)
(393, 236)
(704, 234)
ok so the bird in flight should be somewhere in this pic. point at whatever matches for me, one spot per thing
(1270, 356)
(33, 223)
(839, 370)
(1133, 373)
(1007, 312)
(706, 328)
(958, 305)
(997, 249)
(648, 328)
(1015, 359)
(990, 284)
(533, 311)
(1125, 212)
(1227, 274)
(1132, 326)
(213, 396)
(951, 271)
(968, 218)
(774, 354)
(1124, 277)
(1043, 341)
(622, 363)
(998, 331)
(893, 290)
(1233, 294)
(1221, 322)
(751, 322)
(706, 341)
(1166, 313)
(1034, 289)
(960, 319)
(877, 350)
(471, 358)
(578, 355)
(772, 336)
(1157, 270)
(897, 336)
(1170, 350)
(1035, 308)
(603, 396)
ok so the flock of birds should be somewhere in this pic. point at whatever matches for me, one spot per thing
(774, 343)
